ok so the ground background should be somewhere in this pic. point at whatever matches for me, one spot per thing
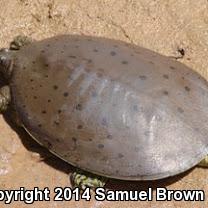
(163, 26)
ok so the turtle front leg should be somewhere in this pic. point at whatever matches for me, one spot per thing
(204, 162)
(5, 98)
(84, 180)
(20, 41)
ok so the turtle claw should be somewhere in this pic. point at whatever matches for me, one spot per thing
(20, 41)
(204, 162)
(4, 98)
(83, 181)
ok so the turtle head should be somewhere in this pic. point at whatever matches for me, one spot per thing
(6, 61)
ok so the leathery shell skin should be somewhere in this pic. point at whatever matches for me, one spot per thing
(111, 108)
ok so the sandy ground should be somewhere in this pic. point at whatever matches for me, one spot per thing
(163, 26)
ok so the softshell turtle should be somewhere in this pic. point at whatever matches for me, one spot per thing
(108, 107)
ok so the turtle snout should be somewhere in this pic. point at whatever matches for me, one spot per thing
(5, 63)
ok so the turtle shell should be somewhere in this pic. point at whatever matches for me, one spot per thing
(111, 108)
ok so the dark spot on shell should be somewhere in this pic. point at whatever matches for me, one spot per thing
(66, 94)
(104, 158)
(77, 159)
(100, 146)
(94, 94)
(120, 155)
(79, 107)
(35, 97)
(62, 51)
(79, 126)
(109, 136)
(87, 69)
(147, 133)
(43, 112)
(46, 76)
(124, 62)
(58, 140)
(46, 65)
(89, 61)
(137, 52)
(136, 149)
(74, 146)
(65, 155)
(180, 110)
(24, 106)
(40, 125)
(74, 139)
(42, 51)
(104, 122)
(48, 45)
(59, 111)
(101, 70)
(48, 144)
(95, 50)
(196, 129)
(165, 76)
(31, 80)
(55, 87)
(56, 123)
(99, 74)
(90, 139)
(74, 57)
(187, 88)
(112, 53)
(165, 92)
(117, 171)
(49, 100)
(135, 107)
(183, 78)
(172, 67)
(33, 62)
(142, 77)
(40, 85)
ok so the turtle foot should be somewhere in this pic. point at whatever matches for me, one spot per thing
(4, 98)
(20, 41)
(204, 162)
(83, 180)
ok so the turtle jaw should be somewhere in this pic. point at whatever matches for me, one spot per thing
(6, 63)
